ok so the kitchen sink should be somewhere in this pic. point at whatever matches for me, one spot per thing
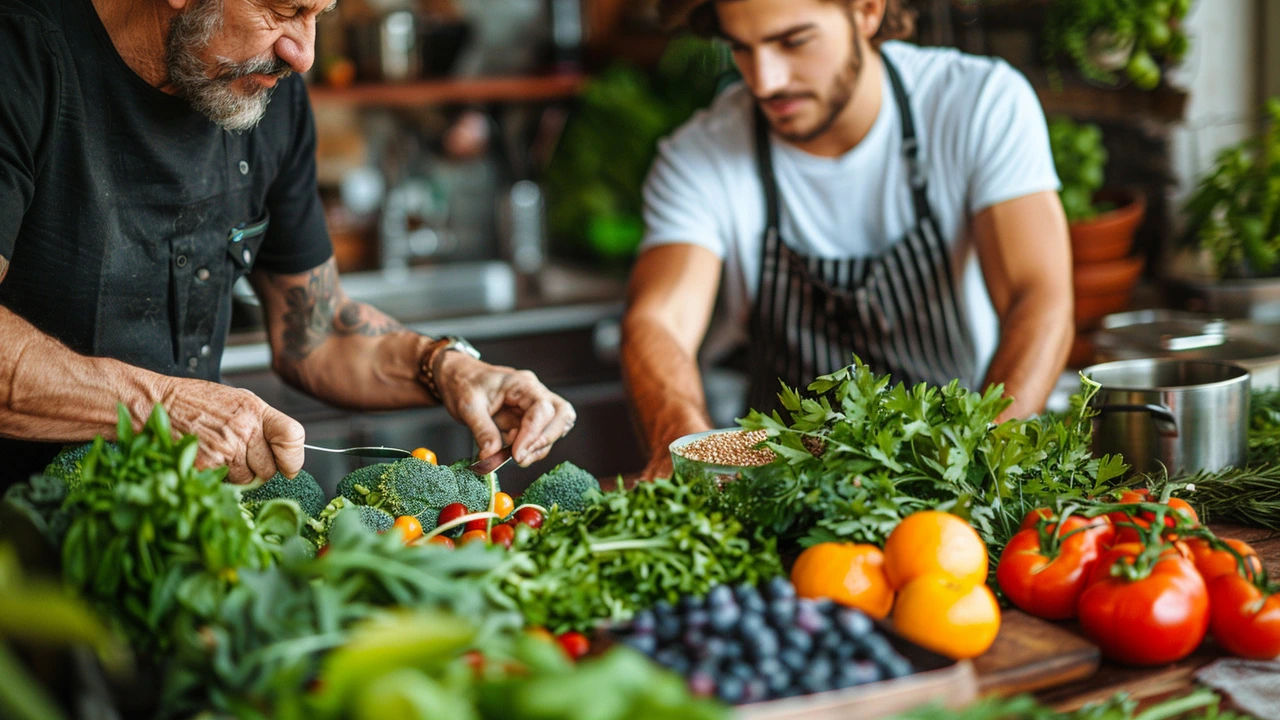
(454, 289)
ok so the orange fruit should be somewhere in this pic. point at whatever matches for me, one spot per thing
(952, 618)
(849, 574)
(932, 542)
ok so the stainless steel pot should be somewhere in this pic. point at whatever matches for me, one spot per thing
(1182, 415)
(1169, 335)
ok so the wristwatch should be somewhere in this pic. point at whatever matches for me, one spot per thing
(427, 368)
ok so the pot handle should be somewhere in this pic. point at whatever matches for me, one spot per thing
(1166, 423)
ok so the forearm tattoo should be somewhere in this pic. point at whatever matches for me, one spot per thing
(316, 310)
(4, 268)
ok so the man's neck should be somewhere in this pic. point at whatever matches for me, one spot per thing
(859, 115)
(138, 30)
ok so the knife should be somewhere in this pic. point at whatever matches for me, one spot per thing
(493, 462)
(369, 452)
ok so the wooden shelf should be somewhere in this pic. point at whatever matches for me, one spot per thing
(1164, 105)
(454, 91)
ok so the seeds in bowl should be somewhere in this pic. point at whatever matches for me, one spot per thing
(735, 449)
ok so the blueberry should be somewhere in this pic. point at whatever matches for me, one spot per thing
(742, 670)
(693, 639)
(646, 644)
(782, 612)
(712, 649)
(702, 683)
(845, 651)
(731, 689)
(791, 690)
(896, 667)
(853, 623)
(724, 617)
(761, 644)
(644, 622)
(749, 598)
(750, 624)
(810, 618)
(719, 596)
(831, 641)
(674, 659)
(810, 683)
(755, 690)
(775, 674)
(662, 607)
(780, 588)
(691, 602)
(696, 619)
(795, 637)
(878, 648)
(733, 650)
(793, 660)
(858, 673)
(668, 628)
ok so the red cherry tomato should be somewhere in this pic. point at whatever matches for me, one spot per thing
(452, 512)
(473, 536)
(1212, 563)
(575, 644)
(482, 525)
(529, 516)
(1155, 620)
(1244, 620)
(442, 540)
(1046, 578)
(502, 535)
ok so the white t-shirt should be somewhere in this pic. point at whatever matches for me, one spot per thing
(983, 141)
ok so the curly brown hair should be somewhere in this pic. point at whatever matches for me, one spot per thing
(899, 21)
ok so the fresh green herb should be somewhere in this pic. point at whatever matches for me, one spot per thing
(885, 452)
(1202, 703)
(1081, 162)
(1103, 37)
(152, 538)
(661, 540)
(1246, 496)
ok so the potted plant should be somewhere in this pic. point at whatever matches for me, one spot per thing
(1107, 37)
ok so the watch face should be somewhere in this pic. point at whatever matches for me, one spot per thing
(461, 344)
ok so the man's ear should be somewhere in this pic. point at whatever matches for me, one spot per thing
(867, 16)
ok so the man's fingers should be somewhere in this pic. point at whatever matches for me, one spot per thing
(283, 437)
(559, 426)
(474, 413)
(537, 417)
(259, 457)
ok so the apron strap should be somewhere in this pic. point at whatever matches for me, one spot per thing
(910, 143)
(764, 162)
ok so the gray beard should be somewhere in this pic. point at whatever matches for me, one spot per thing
(215, 97)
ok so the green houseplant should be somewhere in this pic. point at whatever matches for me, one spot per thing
(1234, 212)
(1105, 38)
(1081, 161)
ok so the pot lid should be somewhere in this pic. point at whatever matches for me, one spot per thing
(1183, 339)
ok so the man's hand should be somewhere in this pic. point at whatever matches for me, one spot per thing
(501, 405)
(236, 428)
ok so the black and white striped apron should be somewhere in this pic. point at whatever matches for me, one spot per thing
(901, 311)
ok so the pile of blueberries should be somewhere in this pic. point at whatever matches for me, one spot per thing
(744, 644)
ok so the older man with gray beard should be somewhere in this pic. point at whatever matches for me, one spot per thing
(152, 152)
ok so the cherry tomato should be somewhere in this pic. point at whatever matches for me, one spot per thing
(1212, 563)
(1144, 519)
(575, 644)
(1033, 518)
(1243, 619)
(425, 455)
(503, 504)
(482, 525)
(322, 551)
(451, 512)
(1045, 578)
(529, 516)
(1154, 620)
(442, 540)
(473, 536)
(502, 535)
(475, 660)
(541, 633)
(409, 528)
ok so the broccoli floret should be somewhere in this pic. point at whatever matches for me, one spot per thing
(68, 465)
(565, 485)
(357, 486)
(317, 529)
(413, 487)
(302, 489)
(376, 520)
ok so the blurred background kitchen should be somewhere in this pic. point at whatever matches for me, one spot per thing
(481, 164)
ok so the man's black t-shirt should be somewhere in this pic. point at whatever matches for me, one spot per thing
(125, 214)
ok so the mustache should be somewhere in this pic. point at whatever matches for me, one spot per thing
(270, 66)
(787, 96)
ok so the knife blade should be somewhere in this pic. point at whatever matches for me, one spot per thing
(385, 453)
(493, 462)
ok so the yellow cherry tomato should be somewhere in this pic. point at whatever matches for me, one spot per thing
(503, 504)
(473, 536)
(425, 455)
(409, 528)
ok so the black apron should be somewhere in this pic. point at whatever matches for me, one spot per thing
(901, 312)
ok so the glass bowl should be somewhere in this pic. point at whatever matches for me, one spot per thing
(689, 468)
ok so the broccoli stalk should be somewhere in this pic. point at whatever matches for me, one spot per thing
(566, 485)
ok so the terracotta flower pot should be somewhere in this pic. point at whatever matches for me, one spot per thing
(1108, 277)
(1109, 235)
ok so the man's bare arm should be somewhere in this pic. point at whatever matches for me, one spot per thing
(670, 301)
(1025, 252)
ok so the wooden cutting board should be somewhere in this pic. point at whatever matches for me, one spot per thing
(1032, 654)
